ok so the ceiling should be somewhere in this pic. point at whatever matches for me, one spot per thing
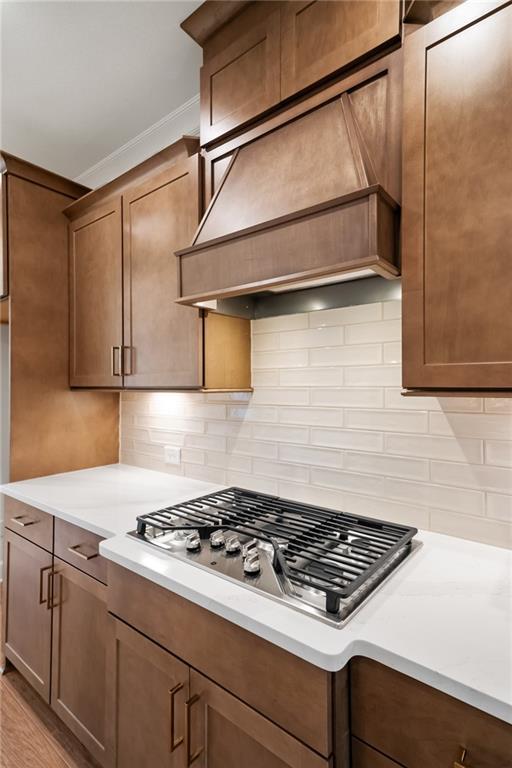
(81, 79)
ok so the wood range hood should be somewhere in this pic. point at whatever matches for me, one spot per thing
(309, 197)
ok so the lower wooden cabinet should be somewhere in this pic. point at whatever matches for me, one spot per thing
(27, 610)
(78, 655)
(364, 756)
(223, 732)
(146, 695)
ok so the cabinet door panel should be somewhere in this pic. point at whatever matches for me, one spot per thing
(147, 690)
(226, 733)
(96, 297)
(4, 263)
(320, 37)
(242, 80)
(457, 216)
(78, 655)
(27, 610)
(164, 338)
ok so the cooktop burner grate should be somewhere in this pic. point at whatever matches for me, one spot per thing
(332, 552)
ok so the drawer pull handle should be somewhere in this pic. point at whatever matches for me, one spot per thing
(191, 756)
(24, 520)
(115, 361)
(461, 763)
(175, 742)
(42, 598)
(75, 550)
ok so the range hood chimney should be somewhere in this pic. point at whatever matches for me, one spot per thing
(308, 197)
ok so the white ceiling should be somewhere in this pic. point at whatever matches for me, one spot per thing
(80, 79)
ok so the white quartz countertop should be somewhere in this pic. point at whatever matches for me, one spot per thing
(444, 617)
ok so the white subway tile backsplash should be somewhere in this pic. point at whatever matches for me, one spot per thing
(348, 398)
(313, 337)
(362, 354)
(498, 452)
(327, 424)
(386, 330)
(472, 476)
(297, 358)
(382, 376)
(430, 447)
(388, 421)
(327, 417)
(380, 464)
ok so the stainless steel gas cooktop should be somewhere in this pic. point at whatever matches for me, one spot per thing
(319, 561)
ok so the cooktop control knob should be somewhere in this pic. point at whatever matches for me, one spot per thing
(233, 544)
(249, 547)
(252, 563)
(193, 541)
(217, 539)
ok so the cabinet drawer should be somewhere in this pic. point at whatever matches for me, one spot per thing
(80, 548)
(421, 727)
(364, 756)
(29, 522)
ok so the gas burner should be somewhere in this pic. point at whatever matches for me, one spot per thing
(317, 560)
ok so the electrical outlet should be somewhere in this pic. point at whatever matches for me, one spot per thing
(172, 455)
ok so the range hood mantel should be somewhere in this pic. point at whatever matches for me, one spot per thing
(310, 194)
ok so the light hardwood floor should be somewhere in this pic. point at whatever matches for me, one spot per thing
(31, 735)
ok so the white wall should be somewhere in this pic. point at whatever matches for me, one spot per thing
(327, 424)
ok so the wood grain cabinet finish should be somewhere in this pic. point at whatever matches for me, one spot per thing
(27, 596)
(419, 727)
(240, 77)
(78, 688)
(363, 756)
(272, 50)
(4, 255)
(311, 192)
(457, 218)
(163, 341)
(80, 548)
(320, 37)
(223, 732)
(96, 273)
(147, 691)
(31, 523)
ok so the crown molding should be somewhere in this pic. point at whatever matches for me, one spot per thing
(182, 120)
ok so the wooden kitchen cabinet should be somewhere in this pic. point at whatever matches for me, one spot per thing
(126, 329)
(147, 691)
(419, 727)
(319, 38)
(96, 297)
(226, 733)
(27, 629)
(78, 686)
(269, 51)
(456, 214)
(4, 255)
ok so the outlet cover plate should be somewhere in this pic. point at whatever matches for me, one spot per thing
(172, 455)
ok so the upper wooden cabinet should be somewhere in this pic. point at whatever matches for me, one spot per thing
(269, 51)
(4, 269)
(126, 329)
(457, 187)
(320, 37)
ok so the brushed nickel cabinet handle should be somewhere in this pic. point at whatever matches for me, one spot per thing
(116, 361)
(49, 590)
(191, 756)
(461, 763)
(127, 361)
(175, 742)
(42, 598)
(24, 520)
(75, 550)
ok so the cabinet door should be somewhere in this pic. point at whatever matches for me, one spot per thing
(318, 38)
(147, 690)
(4, 263)
(78, 655)
(27, 610)
(456, 213)
(163, 339)
(96, 333)
(223, 732)
(240, 79)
